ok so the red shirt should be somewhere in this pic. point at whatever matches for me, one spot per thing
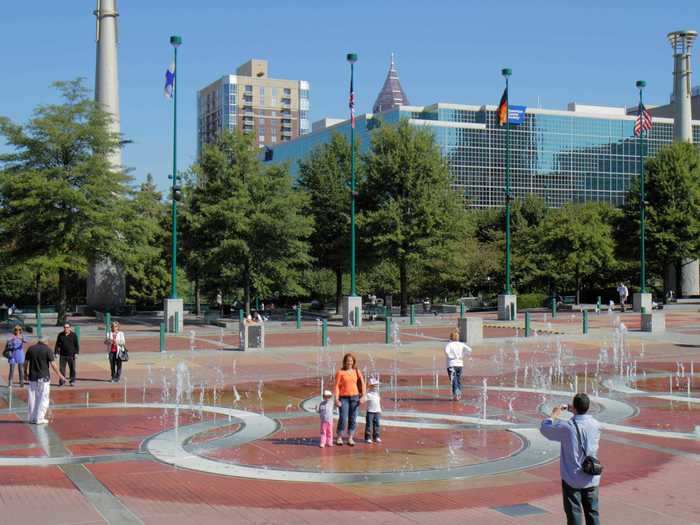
(114, 342)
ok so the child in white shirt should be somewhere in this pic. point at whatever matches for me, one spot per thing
(325, 411)
(374, 408)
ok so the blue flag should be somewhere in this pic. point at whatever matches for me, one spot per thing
(170, 81)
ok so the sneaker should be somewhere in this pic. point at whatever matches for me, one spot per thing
(368, 440)
(42, 422)
(351, 442)
(378, 440)
(339, 442)
(72, 383)
(322, 445)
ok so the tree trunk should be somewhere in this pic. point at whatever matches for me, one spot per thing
(62, 297)
(578, 290)
(197, 296)
(404, 286)
(338, 289)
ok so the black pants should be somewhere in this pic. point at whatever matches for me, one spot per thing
(20, 371)
(70, 361)
(115, 365)
(576, 500)
(372, 425)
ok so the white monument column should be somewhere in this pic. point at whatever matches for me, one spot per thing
(105, 284)
(682, 43)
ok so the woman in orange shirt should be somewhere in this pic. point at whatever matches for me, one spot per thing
(349, 392)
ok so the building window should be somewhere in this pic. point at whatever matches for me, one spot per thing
(287, 91)
(304, 93)
(249, 89)
(261, 121)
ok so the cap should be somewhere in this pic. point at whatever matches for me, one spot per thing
(327, 393)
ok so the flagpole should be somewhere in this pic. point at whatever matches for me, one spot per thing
(175, 41)
(506, 73)
(352, 58)
(642, 205)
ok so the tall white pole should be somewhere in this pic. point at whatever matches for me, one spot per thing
(106, 287)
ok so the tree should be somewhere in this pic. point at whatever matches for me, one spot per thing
(576, 244)
(672, 190)
(61, 201)
(408, 209)
(147, 271)
(325, 176)
(250, 221)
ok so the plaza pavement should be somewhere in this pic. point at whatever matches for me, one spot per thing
(103, 458)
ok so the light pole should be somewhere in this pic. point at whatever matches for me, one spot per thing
(352, 305)
(507, 302)
(506, 73)
(175, 41)
(641, 84)
(352, 58)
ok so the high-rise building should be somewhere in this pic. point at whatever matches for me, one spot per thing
(274, 110)
(583, 153)
(392, 94)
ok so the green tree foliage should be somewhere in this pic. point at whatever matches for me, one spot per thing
(408, 209)
(147, 271)
(325, 176)
(672, 189)
(250, 222)
(576, 245)
(61, 202)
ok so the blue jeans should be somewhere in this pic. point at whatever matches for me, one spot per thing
(347, 415)
(580, 504)
(455, 373)
(372, 425)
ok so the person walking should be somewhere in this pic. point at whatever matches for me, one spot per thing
(349, 393)
(14, 352)
(67, 347)
(623, 292)
(454, 352)
(38, 359)
(116, 346)
(579, 438)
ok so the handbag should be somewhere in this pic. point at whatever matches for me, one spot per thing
(123, 354)
(7, 352)
(590, 464)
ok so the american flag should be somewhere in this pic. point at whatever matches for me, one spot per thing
(351, 104)
(643, 122)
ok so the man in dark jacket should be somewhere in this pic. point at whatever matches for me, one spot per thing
(67, 347)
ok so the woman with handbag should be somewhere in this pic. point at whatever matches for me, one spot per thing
(14, 353)
(116, 348)
(349, 393)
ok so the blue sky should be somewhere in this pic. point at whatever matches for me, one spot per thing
(446, 50)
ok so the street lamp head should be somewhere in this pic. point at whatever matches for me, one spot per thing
(352, 57)
(641, 84)
(175, 41)
(506, 72)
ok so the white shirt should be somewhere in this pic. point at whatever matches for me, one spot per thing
(454, 352)
(622, 290)
(373, 401)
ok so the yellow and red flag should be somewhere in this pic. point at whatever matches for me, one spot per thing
(502, 111)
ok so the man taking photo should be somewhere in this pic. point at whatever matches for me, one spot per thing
(67, 348)
(579, 438)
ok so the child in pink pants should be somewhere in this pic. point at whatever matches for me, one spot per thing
(325, 411)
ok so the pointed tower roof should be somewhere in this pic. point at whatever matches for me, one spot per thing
(392, 94)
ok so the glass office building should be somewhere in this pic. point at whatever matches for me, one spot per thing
(586, 153)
